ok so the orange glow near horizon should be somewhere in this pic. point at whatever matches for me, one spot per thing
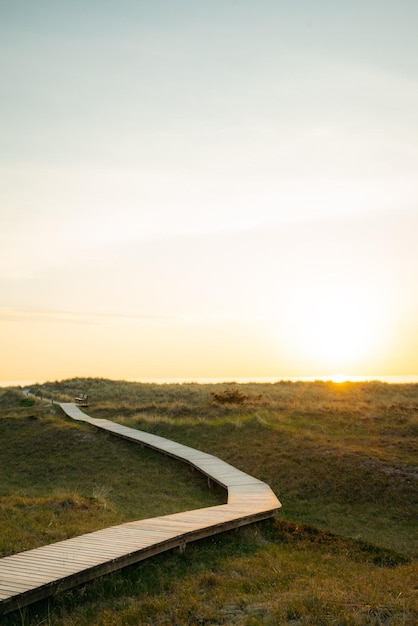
(229, 350)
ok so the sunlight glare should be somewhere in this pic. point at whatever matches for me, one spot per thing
(339, 378)
(338, 324)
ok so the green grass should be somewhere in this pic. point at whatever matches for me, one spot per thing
(62, 478)
(341, 458)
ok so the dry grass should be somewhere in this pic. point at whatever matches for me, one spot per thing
(343, 461)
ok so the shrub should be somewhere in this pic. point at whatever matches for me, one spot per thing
(230, 395)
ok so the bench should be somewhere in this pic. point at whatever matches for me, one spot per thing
(81, 399)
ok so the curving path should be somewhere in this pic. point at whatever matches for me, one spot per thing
(36, 574)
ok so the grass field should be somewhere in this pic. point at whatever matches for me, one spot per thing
(342, 459)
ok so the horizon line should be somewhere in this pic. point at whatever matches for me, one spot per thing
(336, 378)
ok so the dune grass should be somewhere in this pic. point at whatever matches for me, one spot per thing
(62, 478)
(341, 458)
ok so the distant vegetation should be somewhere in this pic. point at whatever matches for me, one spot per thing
(342, 458)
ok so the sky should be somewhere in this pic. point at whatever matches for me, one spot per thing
(196, 189)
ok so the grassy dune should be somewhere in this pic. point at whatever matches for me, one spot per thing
(342, 458)
(62, 478)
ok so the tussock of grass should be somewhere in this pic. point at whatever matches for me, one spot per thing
(341, 458)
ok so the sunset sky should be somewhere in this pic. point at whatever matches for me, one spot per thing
(195, 189)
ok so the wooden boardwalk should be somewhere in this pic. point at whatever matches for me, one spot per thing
(36, 574)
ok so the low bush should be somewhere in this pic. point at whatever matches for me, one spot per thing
(231, 395)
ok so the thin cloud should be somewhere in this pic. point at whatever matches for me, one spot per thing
(75, 317)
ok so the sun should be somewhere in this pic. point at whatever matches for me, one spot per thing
(335, 326)
(338, 328)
